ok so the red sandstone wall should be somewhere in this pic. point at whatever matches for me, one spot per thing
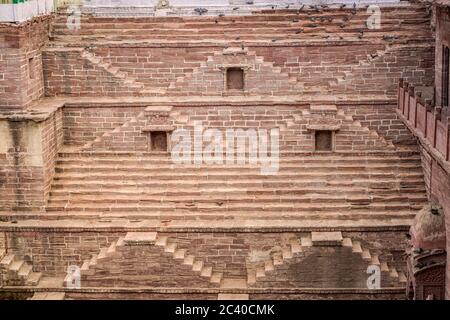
(21, 75)
(442, 38)
(273, 70)
(347, 69)
(432, 129)
(156, 67)
(68, 72)
(230, 253)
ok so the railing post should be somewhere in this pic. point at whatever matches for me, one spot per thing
(437, 117)
(405, 97)
(428, 108)
(410, 94)
(399, 92)
(418, 100)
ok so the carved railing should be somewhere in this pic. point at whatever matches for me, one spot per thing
(429, 123)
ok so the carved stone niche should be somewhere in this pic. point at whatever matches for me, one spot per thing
(234, 78)
(324, 133)
(426, 274)
(159, 128)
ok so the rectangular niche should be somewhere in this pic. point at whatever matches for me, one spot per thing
(31, 68)
(323, 140)
(158, 141)
(235, 78)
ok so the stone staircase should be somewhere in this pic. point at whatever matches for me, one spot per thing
(306, 23)
(299, 247)
(344, 185)
(114, 72)
(118, 249)
(14, 271)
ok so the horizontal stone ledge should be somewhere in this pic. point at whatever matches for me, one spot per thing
(140, 238)
(207, 226)
(325, 239)
(206, 290)
(156, 128)
(323, 127)
(258, 43)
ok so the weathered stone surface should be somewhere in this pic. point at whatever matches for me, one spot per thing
(326, 238)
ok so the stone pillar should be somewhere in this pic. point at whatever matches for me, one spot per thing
(21, 75)
(28, 149)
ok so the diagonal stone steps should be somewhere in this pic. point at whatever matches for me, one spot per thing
(14, 271)
(299, 247)
(93, 269)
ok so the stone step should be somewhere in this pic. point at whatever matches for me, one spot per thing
(15, 266)
(103, 254)
(140, 238)
(230, 200)
(161, 241)
(326, 239)
(117, 156)
(189, 260)
(119, 191)
(260, 272)
(393, 273)
(111, 249)
(85, 266)
(48, 296)
(197, 266)
(34, 278)
(347, 242)
(135, 160)
(236, 207)
(180, 254)
(227, 176)
(402, 277)
(366, 255)
(296, 246)
(277, 259)
(206, 272)
(268, 266)
(287, 254)
(7, 261)
(356, 248)
(120, 242)
(25, 271)
(213, 28)
(307, 215)
(216, 277)
(170, 248)
(233, 296)
(399, 168)
(384, 267)
(93, 262)
(153, 186)
(375, 260)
